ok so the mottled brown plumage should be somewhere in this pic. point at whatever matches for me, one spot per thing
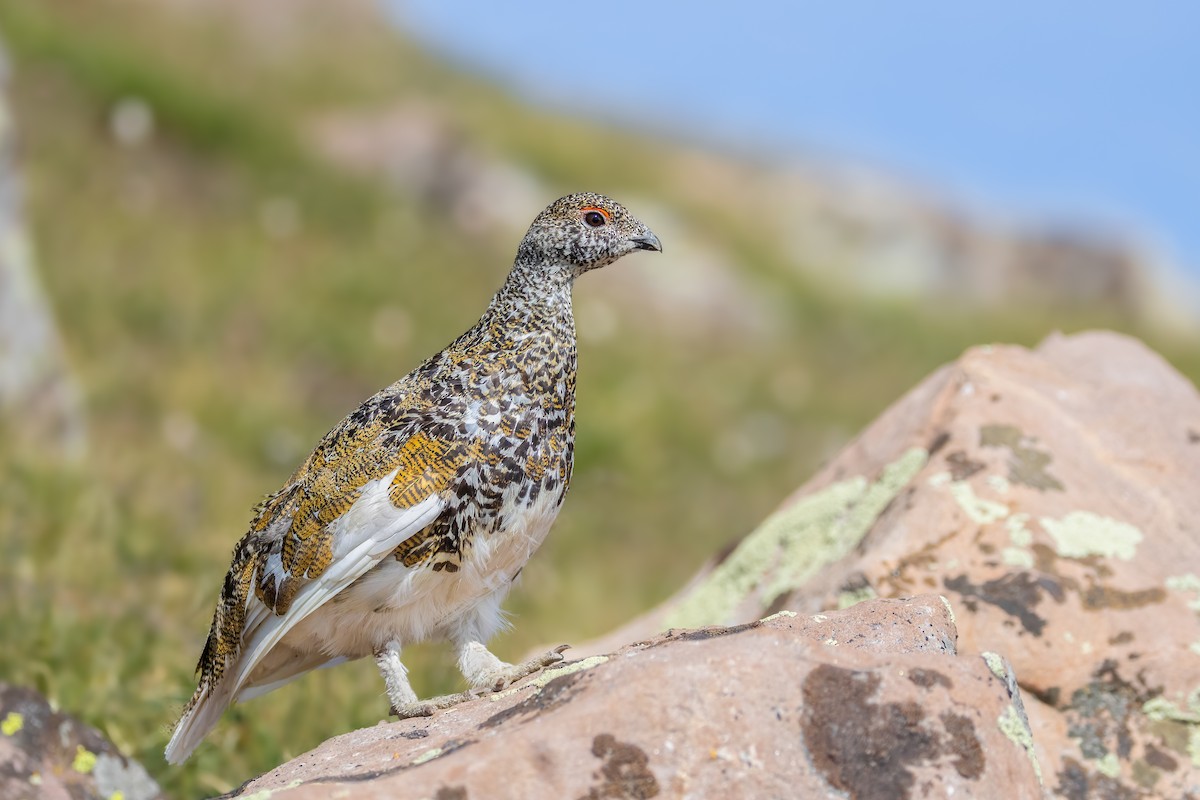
(413, 516)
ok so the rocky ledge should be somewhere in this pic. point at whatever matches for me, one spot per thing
(871, 701)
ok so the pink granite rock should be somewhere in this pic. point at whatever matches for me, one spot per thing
(868, 703)
(1053, 496)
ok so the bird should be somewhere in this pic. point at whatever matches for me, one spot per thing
(413, 517)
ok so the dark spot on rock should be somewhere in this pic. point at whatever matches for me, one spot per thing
(1076, 783)
(1051, 587)
(1160, 759)
(1193, 436)
(938, 442)
(926, 678)
(855, 583)
(451, 793)
(624, 773)
(961, 466)
(704, 634)
(451, 746)
(1124, 637)
(927, 557)
(868, 749)
(417, 734)
(963, 744)
(1096, 597)
(1026, 465)
(1172, 734)
(553, 694)
(1016, 594)
(1145, 775)
(1101, 714)
(1050, 696)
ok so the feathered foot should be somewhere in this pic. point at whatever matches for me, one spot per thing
(500, 676)
(507, 674)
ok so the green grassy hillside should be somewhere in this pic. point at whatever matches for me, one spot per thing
(215, 346)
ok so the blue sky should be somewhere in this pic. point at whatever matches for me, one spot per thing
(1072, 111)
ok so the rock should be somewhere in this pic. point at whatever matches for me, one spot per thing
(45, 753)
(40, 406)
(868, 703)
(1053, 496)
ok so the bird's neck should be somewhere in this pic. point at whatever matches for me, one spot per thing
(535, 299)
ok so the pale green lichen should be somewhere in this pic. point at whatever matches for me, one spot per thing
(949, 609)
(1013, 726)
(84, 761)
(1160, 708)
(12, 723)
(547, 675)
(1109, 765)
(778, 615)
(265, 794)
(1018, 554)
(428, 755)
(1187, 582)
(790, 547)
(978, 509)
(1017, 557)
(999, 484)
(996, 664)
(1018, 534)
(1081, 534)
(854, 597)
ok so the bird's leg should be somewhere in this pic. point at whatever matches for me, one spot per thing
(395, 678)
(479, 666)
(487, 673)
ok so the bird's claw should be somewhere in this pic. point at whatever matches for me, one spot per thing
(411, 710)
(515, 672)
(508, 675)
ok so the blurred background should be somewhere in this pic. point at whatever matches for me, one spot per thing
(224, 224)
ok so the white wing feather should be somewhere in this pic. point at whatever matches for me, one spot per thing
(363, 537)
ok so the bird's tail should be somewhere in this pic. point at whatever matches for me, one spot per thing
(199, 717)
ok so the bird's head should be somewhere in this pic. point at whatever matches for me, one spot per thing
(585, 231)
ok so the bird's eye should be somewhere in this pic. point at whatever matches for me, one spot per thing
(595, 218)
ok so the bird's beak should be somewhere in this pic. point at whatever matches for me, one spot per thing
(647, 241)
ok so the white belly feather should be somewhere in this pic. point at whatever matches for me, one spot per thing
(412, 604)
